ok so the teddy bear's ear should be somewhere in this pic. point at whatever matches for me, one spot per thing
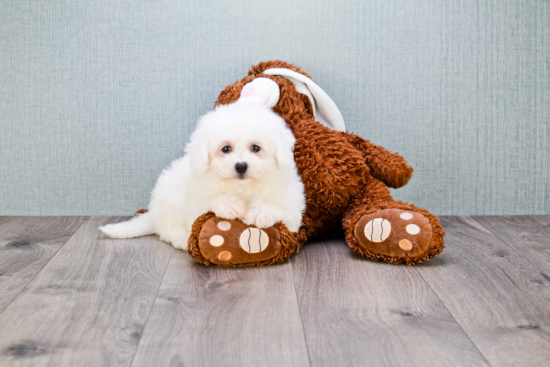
(324, 108)
(261, 90)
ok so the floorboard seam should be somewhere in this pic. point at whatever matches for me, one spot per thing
(151, 310)
(454, 318)
(299, 310)
(51, 258)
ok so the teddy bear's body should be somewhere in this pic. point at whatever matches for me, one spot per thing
(345, 179)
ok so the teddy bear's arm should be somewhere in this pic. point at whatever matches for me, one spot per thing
(388, 167)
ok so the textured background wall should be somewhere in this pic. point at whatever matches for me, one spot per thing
(96, 98)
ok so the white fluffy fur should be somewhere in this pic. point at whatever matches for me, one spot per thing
(205, 179)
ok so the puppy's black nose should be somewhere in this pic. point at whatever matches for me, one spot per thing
(241, 167)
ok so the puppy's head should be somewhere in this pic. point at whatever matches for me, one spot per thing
(241, 141)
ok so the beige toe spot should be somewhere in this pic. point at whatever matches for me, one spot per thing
(406, 216)
(405, 245)
(224, 226)
(412, 229)
(224, 256)
(216, 240)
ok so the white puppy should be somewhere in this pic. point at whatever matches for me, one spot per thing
(239, 164)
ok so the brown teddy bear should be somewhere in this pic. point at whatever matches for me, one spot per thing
(346, 181)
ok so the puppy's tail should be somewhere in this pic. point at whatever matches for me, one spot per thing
(141, 225)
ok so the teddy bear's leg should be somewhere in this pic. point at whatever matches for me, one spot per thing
(225, 242)
(378, 227)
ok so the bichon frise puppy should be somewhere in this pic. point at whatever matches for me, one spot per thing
(239, 164)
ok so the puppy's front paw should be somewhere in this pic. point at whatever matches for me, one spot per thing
(260, 218)
(229, 210)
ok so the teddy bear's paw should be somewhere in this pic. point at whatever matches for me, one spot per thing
(394, 233)
(232, 242)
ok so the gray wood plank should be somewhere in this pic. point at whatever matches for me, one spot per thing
(498, 297)
(358, 312)
(89, 304)
(525, 235)
(4, 219)
(210, 316)
(544, 220)
(543, 224)
(26, 245)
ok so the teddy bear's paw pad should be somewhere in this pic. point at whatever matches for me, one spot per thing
(232, 242)
(394, 232)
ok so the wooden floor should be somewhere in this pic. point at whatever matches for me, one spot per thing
(71, 297)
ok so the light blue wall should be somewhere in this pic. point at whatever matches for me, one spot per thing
(97, 97)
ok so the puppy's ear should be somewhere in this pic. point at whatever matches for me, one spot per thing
(199, 160)
(197, 149)
(285, 149)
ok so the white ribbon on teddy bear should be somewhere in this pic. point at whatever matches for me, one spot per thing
(266, 91)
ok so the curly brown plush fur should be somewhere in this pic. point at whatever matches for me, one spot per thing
(345, 176)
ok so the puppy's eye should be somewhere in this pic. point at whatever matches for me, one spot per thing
(226, 149)
(255, 148)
